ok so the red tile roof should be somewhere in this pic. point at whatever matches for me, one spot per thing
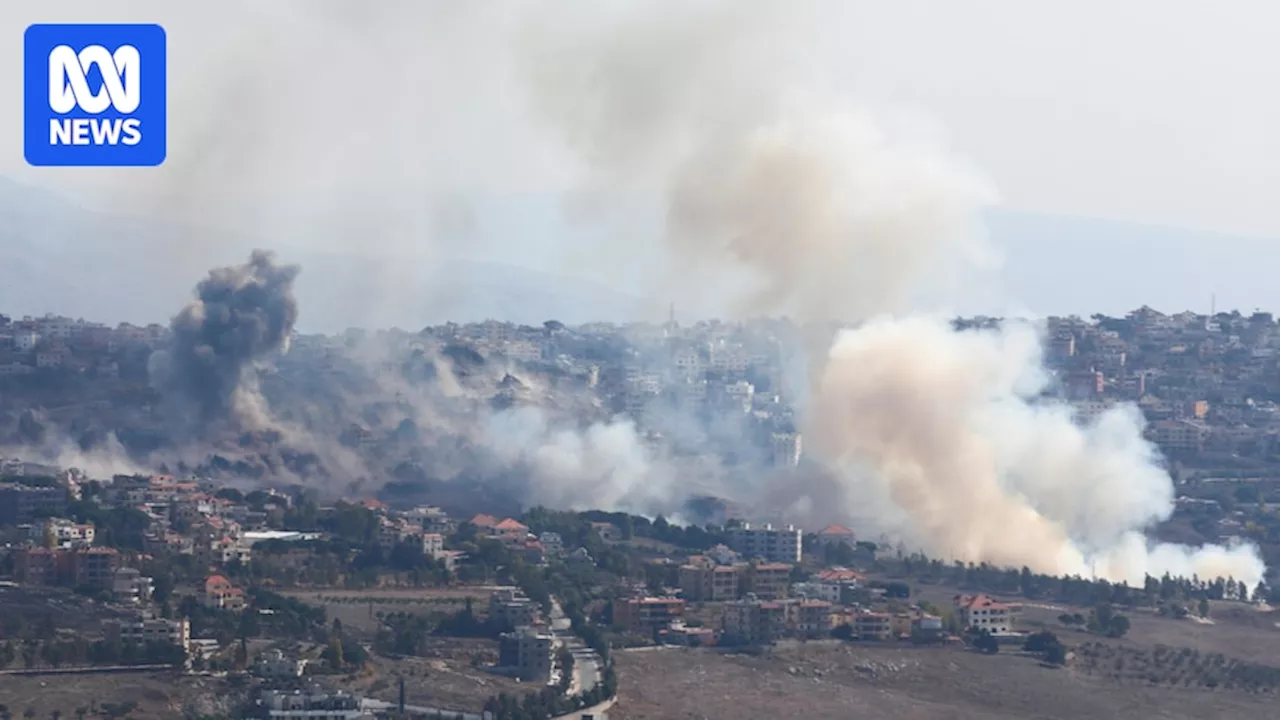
(484, 521)
(835, 530)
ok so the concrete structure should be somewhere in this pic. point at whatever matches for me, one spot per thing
(769, 581)
(146, 628)
(130, 587)
(94, 567)
(221, 594)
(983, 612)
(645, 616)
(22, 503)
(753, 622)
(767, 542)
(529, 652)
(509, 609)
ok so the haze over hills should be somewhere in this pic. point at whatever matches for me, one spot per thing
(58, 257)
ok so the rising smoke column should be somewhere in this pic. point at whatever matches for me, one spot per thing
(834, 213)
(944, 429)
(242, 315)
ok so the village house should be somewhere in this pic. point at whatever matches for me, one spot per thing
(221, 594)
(983, 612)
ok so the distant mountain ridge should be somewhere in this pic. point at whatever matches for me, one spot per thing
(58, 257)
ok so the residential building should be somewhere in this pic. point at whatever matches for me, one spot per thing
(23, 503)
(314, 705)
(221, 594)
(63, 533)
(645, 616)
(786, 449)
(130, 587)
(509, 609)
(552, 544)
(983, 612)
(94, 567)
(529, 653)
(753, 622)
(433, 545)
(705, 582)
(767, 542)
(769, 581)
(275, 664)
(837, 535)
(872, 625)
(146, 628)
(813, 618)
(37, 566)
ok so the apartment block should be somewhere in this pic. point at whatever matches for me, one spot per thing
(769, 581)
(707, 582)
(510, 609)
(644, 616)
(767, 542)
(754, 622)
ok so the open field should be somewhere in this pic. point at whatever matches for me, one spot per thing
(893, 683)
(453, 677)
(159, 696)
(1235, 629)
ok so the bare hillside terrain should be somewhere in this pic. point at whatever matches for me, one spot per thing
(886, 683)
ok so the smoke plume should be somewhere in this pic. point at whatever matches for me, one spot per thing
(774, 195)
(940, 435)
(947, 431)
(242, 315)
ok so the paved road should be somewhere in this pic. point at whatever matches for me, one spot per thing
(586, 664)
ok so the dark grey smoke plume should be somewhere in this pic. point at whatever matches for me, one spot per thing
(241, 315)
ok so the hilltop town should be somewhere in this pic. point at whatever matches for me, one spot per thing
(264, 604)
(237, 593)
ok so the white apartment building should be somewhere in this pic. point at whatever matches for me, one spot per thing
(772, 544)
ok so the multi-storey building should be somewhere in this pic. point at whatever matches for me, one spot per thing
(644, 616)
(22, 503)
(767, 542)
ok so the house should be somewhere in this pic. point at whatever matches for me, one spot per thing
(529, 652)
(769, 581)
(753, 622)
(221, 594)
(146, 628)
(510, 609)
(836, 535)
(607, 532)
(703, 581)
(645, 616)
(983, 612)
(94, 567)
(872, 626)
(813, 618)
(275, 664)
(484, 522)
(131, 587)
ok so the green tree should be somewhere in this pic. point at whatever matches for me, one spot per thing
(1119, 626)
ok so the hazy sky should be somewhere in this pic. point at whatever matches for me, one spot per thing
(341, 125)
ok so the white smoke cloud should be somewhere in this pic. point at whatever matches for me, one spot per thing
(777, 197)
(947, 430)
(838, 213)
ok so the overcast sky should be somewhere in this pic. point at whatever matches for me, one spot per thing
(374, 125)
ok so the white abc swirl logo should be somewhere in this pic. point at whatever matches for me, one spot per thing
(69, 88)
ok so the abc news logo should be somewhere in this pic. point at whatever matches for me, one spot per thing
(69, 89)
(94, 95)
